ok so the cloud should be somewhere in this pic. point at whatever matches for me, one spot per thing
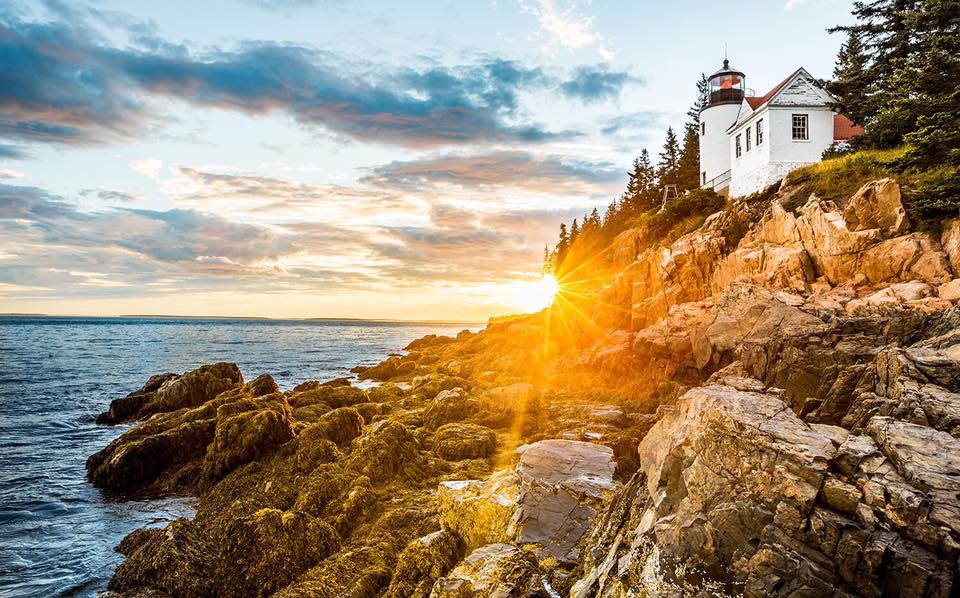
(506, 169)
(111, 195)
(63, 84)
(592, 84)
(635, 121)
(12, 152)
(566, 27)
(148, 167)
(51, 248)
(170, 237)
(6, 173)
(265, 196)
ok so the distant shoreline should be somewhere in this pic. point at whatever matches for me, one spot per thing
(245, 318)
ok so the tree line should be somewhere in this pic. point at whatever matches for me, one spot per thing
(678, 164)
(898, 76)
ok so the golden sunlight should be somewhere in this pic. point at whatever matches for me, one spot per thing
(533, 295)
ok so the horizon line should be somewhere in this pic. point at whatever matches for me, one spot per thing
(181, 317)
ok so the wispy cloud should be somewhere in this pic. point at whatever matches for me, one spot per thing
(111, 195)
(567, 27)
(507, 169)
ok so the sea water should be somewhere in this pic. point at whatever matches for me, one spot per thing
(57, 532)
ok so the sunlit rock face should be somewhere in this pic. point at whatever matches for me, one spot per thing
(545, 504)
(735, 487)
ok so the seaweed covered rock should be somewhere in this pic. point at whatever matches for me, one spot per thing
(449, 406)
(493, 570)
(168, 452)
(271, 548)
(339, 426)
(168, 392)
(247, 430)
(388, 449)
(422, 563)
(175, 561)
(454, 442)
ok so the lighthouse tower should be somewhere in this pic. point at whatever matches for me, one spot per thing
(725, 94)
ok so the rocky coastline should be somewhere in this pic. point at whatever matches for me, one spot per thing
(766, 406)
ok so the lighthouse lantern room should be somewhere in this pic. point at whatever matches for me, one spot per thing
(725, 92)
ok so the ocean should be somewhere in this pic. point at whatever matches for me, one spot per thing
(57, 532)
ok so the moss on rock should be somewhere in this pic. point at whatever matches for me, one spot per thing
(458, 441)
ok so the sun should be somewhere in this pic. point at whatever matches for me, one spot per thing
(533, 295)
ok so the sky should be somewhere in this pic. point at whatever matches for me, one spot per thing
(333, 158)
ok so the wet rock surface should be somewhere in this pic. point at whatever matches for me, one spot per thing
(767, 406)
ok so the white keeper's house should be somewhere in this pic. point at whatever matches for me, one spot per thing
(749, 142)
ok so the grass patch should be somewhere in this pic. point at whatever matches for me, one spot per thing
(839, 178)
(929, 195)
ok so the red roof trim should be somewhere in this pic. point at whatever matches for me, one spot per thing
(844, 129)
(757, 101)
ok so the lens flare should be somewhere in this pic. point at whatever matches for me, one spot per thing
(533, 295)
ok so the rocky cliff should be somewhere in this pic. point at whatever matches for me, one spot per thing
(768, 405)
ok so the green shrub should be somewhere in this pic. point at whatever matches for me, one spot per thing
(933, 195)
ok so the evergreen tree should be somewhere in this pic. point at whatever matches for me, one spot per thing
(669, 165)
(887, 30)
(641, 189)
(688, 166)
(927, 87)
(547, 260)
(563, 245)
(574, 232)
(851, 82)
(594, 220)
(703, 89)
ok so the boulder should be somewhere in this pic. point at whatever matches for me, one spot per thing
(456, 441)
(422, 563)
(166, 452)
(491, 571)
(735, 486)
(950, 291)
(877, 205)
(169, 392)
(547, 501)
(950, 240)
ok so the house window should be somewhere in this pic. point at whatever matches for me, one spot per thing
(739, 150)
(703, 128)
(800, 129)
(748, 139)
(759, 131)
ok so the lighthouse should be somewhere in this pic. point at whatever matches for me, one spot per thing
(725, 93)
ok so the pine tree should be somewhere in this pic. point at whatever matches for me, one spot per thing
(547, 260)
(563, 245)
(851, 83)
(688, 166)
(703, 88)
(927, 87)
(887, 30)
(594, 220)
(641, 187)
(574, 232)
(669, 164)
